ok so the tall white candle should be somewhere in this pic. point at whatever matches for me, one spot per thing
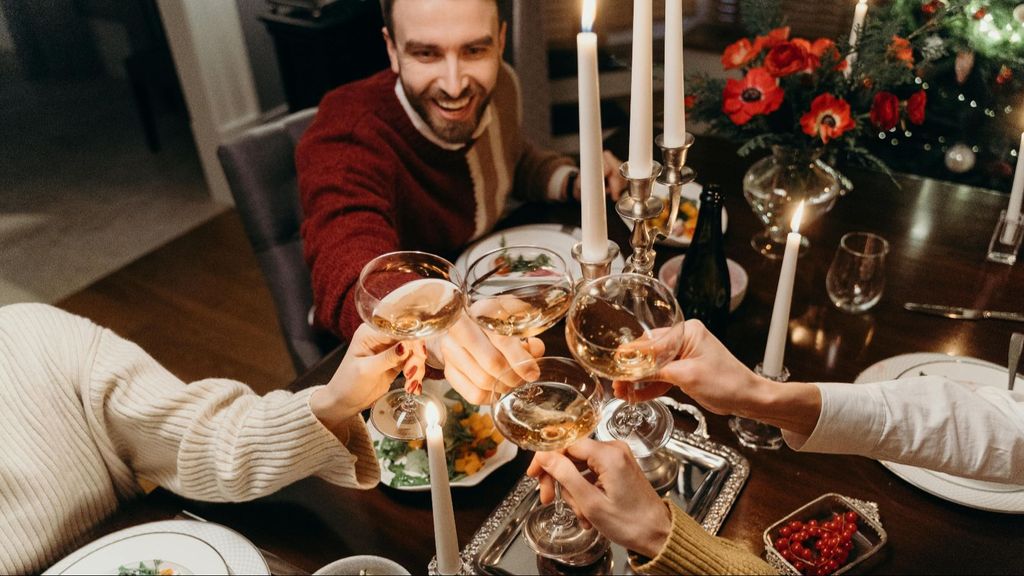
(779, 328)
(858, 21)
(445, 536)
(1016, 196)
(641, 97)
(675, 95)
(595, 228)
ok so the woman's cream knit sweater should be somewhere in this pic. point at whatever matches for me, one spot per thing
(85, 413)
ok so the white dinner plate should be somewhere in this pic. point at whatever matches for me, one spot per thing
(979, 494)
(691, 191)
(187, 546)
(505, 452)
(556, 237)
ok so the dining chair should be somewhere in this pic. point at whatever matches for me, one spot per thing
(260, 168)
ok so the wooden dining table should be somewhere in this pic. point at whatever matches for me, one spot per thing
(938, 234)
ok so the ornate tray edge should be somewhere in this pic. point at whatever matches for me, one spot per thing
(720, 508)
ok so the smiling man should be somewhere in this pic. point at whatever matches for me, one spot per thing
(423, 156)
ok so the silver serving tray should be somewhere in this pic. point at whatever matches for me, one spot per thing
(710, 478)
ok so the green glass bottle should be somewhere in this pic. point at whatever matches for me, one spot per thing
(703, 288)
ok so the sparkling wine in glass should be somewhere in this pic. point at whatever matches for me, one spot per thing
(551, 412)
(518, 291)
(406, 296)
(626, 327)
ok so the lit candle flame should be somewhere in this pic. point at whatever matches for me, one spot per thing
(433, 416)
(794, 224)
(589, 13)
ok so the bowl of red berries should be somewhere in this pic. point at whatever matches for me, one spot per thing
(829, 535)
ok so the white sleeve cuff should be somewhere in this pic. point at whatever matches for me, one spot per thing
(556, 186)
(851, 422)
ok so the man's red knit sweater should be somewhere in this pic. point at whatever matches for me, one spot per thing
(371, 182)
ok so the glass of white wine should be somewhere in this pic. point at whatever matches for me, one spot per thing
(407, 296)
(551, 412)
(518, 291)
(626, 327)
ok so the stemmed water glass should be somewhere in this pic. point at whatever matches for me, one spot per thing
(626, 327)
(407, 296)
(518, 291)
(550, 412)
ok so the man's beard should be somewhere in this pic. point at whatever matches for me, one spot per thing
(451, 131)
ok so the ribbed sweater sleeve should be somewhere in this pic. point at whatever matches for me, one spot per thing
(213, 439)
(691, 550)
(86, 413)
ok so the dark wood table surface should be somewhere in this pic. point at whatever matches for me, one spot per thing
(938, 235)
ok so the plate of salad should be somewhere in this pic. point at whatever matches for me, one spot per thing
(556, 237)
(473, 445)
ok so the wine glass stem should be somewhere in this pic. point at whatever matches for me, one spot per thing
(563, 516)
(406, 407)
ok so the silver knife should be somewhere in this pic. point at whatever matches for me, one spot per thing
(958, 313)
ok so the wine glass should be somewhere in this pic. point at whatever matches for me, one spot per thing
(407, 296)
(626, 327)
(518, 291)
(551, 412)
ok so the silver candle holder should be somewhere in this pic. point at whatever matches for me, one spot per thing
(592, 270)
(758, 435)
(644, 209)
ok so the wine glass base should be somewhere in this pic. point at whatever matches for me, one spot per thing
(661, 469)
(391, 420)
(651, 435)
(564, 542)
(774, 249)
(756, 435)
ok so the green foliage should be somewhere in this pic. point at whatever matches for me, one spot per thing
(760, 16)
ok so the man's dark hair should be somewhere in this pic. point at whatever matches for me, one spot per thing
(387, 5)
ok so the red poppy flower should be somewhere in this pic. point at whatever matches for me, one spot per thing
(756, 94)
(980, 13)
(689, 101)
(828, 118)
(885, 110)
(901, 50)
(915, 107)
(1004, 76)
(930, 8)
(787, 58)
(738, 54)
(771, 39)
(823, 46)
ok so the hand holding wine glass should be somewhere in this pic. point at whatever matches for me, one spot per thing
(625, 327)
(553, 411)
(618, 501)
(407, 296)
(512, 294)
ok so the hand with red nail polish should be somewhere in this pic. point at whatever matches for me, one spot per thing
(371, 364)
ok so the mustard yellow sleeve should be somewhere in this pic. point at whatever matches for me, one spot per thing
(691, 550)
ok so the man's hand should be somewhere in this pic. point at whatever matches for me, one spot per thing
(476, 362)
(711, 375)
(620, 502)
(705, 370)
(614, 183)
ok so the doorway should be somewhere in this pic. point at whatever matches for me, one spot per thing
(99, 165)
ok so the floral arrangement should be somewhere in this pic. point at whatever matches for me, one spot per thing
(972, 65)
(813, 93)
